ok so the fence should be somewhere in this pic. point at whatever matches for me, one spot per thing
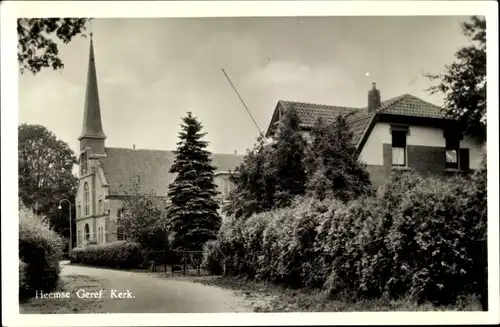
(179, 262)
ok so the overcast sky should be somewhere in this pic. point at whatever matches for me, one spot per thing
(152, 71)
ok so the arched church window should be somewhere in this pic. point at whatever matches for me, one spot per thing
(87, 232)
(86, 198)
(83, 163)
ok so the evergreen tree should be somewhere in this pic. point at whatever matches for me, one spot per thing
(193, 209)
(333, 168)
(287, 166)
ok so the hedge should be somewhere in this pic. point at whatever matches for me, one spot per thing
(419, 239)
(212, 257)
(120, 254)
(40, 250)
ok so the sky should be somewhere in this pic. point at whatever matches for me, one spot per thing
(151, 72)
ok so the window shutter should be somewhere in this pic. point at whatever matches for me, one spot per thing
(464, 160)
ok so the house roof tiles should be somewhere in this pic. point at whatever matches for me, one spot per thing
(359, 118)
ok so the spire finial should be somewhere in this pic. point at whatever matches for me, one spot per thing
(91, 31)
(92, 133)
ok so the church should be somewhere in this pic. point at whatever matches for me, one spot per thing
(400, 133)
(107, 175)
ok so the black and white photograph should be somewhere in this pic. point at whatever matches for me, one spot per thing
(323, 161)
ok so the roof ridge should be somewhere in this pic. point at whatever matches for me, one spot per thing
(317, 104)
(159, 150)
(430, 103)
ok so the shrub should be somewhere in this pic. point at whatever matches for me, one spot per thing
(288, 244)
(120, 254)
(212, 257)
(231, 244)
(419, 238)
(40, 250)
(354, 239)
(23, 286)
(433, 240)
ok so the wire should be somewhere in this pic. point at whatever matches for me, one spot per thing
(243, 102)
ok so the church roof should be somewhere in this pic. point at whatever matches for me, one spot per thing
(124, 167)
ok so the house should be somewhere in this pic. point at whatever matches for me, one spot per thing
(399, 133)
(108, 175)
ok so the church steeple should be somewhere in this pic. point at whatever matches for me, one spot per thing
(92, 134)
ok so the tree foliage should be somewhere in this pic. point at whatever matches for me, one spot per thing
(37, 47)
(418, 241)
(464, 81)
(40, 251)
(271, 175)
(253, 184)
(193, 210)
(333, 166)
(45, 174)
(288, 166)
(144, 219)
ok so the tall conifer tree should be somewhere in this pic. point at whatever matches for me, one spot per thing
(288, 166)
(332, 162)
(192, 213)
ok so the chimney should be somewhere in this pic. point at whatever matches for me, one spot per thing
(133, 146)
(235, 152)
(373, 98)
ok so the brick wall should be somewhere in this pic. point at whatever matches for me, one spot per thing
(425, 160)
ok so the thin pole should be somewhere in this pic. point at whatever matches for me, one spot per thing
(243, 102)
(70, 250)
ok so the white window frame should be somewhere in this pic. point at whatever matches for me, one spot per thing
(395, 149)
(452, 144)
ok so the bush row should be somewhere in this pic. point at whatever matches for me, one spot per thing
(120, 254)
(40, 250)
(418, 238)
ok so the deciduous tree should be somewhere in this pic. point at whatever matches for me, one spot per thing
(464, 81)
(144, 219)
(271, 175)
(45, 174)
(37, 47)
(254, 185)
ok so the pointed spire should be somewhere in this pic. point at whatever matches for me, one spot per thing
(92, 125)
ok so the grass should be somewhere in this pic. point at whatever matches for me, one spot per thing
(274, 298)
(68, 283)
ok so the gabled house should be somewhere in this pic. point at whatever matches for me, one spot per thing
(108, 175)
(399, 133)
